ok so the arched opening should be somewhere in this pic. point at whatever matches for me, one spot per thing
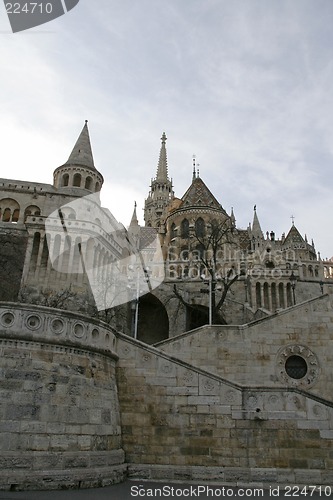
(10, 210)
(77, 180)
(65, 180)
(88, 183)
(6, 215)
(34, 252)
(173, 232)
(31, 210)
(153, 323)
(196, 316)
(185, 229)
(97, 187)
(200, 228)
(258, 295)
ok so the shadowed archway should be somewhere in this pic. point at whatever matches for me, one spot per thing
(153, 325)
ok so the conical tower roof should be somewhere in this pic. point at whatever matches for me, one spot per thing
(82, 152)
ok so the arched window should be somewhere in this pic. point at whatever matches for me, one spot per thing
(200, 228)
(77, 180)
(88, 183)
(173, 232)
(97, 187)
(6, 215)
(185, 229)
(65, 180)
(31, 210)
(10, 210)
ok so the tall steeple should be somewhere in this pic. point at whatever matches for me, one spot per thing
(161, 191)
(162, 167)
(79, 170)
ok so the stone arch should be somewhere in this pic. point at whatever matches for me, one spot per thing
(200, 227)
(10, 210)
(88, 183)
(185, 228)
(77, 180)
(153, 324)
(35, 251)
(65, 180)
(32, 210)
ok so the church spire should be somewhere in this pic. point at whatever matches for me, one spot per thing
(161, 192)
(82, 152)
(134, 220)
(256, 228)
(162, 168)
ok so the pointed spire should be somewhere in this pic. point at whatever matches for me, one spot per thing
(82, 152)
(232, 217)
(256, 228)
(134, 220)
(162, 168)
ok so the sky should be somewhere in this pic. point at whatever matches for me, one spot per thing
(245, 85)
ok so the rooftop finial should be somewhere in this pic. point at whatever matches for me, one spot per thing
(86, 121)
(194, 168)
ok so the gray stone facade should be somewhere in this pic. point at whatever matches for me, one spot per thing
(245, 400)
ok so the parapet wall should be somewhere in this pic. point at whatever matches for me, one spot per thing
(59, 413)
(182, 423)
(255, 354)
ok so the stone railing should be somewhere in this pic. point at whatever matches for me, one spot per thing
(55, 326)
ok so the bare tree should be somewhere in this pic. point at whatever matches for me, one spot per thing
(215, 270)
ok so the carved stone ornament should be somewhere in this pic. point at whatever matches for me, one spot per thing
(297, 366)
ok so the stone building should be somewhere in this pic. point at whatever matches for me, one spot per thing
(245, 400)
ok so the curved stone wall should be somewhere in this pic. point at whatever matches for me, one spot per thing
(59, 413)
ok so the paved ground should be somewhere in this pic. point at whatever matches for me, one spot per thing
(136, 489)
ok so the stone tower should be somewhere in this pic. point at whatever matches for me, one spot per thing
(161, 192)
(79, 170)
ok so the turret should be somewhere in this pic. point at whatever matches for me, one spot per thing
(79, 170)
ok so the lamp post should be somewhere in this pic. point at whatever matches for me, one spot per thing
(211, 281)
(135, 303)
(293, 280)
(321, 283)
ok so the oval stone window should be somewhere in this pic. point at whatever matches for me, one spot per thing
(296, 367)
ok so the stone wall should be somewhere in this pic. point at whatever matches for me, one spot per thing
(255, 354)
(59, 414)
(13, 244)
(180, 422)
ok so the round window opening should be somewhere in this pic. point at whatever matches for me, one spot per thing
(296, 367)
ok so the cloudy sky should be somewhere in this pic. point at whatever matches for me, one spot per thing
(245, 85)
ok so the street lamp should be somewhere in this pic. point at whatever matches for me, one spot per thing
(321, 283)
(293, 280)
